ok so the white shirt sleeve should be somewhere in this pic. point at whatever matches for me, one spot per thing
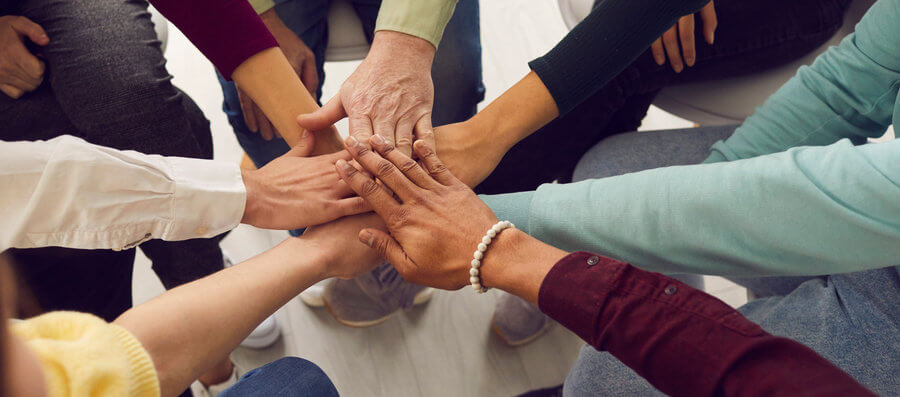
(69, 193)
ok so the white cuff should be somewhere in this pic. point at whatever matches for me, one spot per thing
(209, 198)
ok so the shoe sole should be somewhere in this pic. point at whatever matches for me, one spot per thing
(420, 298)
(525, 341)
(262, 341)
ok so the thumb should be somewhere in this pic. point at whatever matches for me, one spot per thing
(304, 146)
(386, 247)
(325, 116)
(33, 31)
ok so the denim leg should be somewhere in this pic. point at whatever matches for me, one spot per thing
(458, 86)
(288, 376)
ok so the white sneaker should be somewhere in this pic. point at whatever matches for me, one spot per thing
(264, 335)
(312, 296)
(198, 389)
(267, 332)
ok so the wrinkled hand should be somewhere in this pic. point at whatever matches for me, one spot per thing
(295, 191)
(20, 70)
(435, 221)
(337, 241)
(390, 94)
(301, 59)
(683, 31)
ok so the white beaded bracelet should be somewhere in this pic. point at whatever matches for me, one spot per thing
(474, 273)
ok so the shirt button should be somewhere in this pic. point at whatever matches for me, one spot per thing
(593, 260)
(671, 290)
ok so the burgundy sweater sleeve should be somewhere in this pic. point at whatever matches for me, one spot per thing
(226, 31)
(683, 341)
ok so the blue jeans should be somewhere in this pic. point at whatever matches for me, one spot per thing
(288, 376)
(456, 72)
(850, 319)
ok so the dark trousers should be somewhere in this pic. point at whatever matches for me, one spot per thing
(106, 82)
(752, 36)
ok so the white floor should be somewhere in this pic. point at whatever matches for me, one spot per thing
(443, 348)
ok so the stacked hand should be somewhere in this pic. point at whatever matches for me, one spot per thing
(390, 94)
(683, 31)
(20, 70)
(435, 220)
(295, 191)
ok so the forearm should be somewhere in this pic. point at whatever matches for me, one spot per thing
(790, 213)
(212, 315)
(518, 263)
(269, 79)
(520, 111)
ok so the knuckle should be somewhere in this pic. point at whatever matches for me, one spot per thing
(384, 168)
(368, 187)
(407, 165)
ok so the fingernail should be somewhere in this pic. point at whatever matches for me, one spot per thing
(366, 237)
(377, 140)
(305, 134)
(343, 164)
(421, 146)
(351, 142)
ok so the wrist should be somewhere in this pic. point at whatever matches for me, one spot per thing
(252, 202)
(397, 46)
(517, 263)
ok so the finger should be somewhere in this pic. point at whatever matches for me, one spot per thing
(383, 169)
(30, 66)
(387, 247)
(325, 116)
(710, 22)
(304, 147)
(352, 206)
(670, 43)
(403, 136)
(425, 131)
(433, 165)
(33, 31)
(366, 187)
(248, 108)
(659, 55)
(16, 77)
(309, 76)
(265, 127)
(384, 128)
(404, 163)
(686, 35)
(12, 92)
(361, 128)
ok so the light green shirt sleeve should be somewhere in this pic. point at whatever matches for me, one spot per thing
(809, 210)
(261, 6)
(425, 19)
(850, 91)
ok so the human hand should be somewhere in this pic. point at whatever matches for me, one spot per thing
(684, 30)
(20, 70)
(295, 191)
(302, 60)
(463, 149)
(337, 244)
(390, 94)
(435, 221)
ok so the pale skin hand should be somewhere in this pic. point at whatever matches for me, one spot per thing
(301, 59)
(435, 223)
(295, 191)
(390, 94)
(683, 32)
(20, 70)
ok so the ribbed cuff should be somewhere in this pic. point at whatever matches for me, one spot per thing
(209, 198)
(144, 380)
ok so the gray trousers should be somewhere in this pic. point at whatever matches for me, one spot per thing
(851, 319)
(106, 82)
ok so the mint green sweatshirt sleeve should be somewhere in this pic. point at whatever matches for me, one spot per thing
(806, 211)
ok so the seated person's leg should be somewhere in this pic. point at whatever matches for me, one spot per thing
(751, 37)
(458, 86)
(291, 375)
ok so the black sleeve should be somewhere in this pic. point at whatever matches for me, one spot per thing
(614, 34)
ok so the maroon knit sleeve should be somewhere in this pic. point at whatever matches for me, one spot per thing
(228, 32)
(683, 341)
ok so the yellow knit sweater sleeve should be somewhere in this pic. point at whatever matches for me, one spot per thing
(82, 355)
